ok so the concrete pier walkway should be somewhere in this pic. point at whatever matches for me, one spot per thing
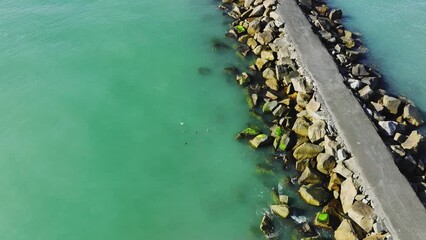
(394, 199)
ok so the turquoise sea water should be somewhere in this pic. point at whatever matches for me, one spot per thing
(108, 131)
(395, 33)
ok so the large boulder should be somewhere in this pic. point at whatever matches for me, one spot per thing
(302, 99)
(253, 27)
(265, 37)
(316, 131)
(359, 70)
(365, 93)
(301, 85)
(268, 73)
(314, 195)
(363, 215)
(248, 3)
(257, 11)
(281, 210)
(269, 3)
(347, 194)
(335, 14)
(413, 115)
(301, 127)
(259, 140)
(260, 63)
(267, 225)
(345, 231)
(391, 104)
(272, 83)
(389, 127)
(325, 163)
(269, 106)
(413, 141)
(307, 151)
(252, 43)
(309, 177)
(267, 54)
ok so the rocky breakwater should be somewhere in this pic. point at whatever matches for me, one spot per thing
(396, 118)
(300, 130)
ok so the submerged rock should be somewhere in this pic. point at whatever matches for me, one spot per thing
(248, 132)
(204, 70)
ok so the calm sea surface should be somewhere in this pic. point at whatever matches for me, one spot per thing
(108, 131)
(395, 33)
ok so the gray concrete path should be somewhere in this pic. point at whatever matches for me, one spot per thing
(393, 198)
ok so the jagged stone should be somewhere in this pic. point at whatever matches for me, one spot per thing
(269, 106)
(242, 79)
(391, 103)
(309, 177)
(335, 14)
(347, 194)
(325, 163)
(301, 126)
(412, 115)
(252, 43)
(264, 37)
(359, 70)
(363, 215)
(260, 62)
(259, 141)
(307, 151)
(272, 83)
(316, 131)
(345, 231)
(365, 93)
(413, 141)
(389, 127)
(268, 55)
(268, 73)
(281, 210)
(314, 195)
(257, 11)
(301, 85)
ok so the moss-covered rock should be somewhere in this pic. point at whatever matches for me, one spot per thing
(259, 141)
